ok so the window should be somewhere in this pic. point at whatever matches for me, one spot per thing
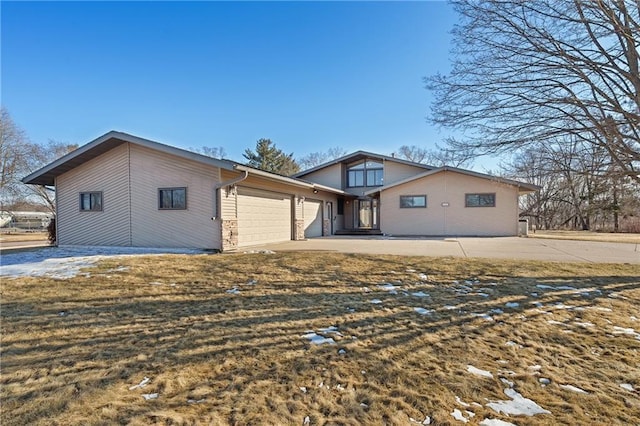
(172, 198)
(369, 169)
(480, 200)
(355, 178)
(413, 201)
(91, 201)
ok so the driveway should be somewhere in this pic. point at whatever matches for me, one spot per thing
(495, 247)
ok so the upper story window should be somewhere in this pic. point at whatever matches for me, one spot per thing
(91, 201)
(172, 198)
(365, 173)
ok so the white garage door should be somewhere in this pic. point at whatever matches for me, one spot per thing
(263, 217)
(312, 218)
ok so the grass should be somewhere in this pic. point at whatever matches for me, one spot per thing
(71, 349)
(23, 236)
(588, 236)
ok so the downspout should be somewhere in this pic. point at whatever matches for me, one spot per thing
(230, 182)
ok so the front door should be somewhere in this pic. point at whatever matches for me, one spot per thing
(367, 214)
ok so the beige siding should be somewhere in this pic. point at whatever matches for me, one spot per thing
(228, 206)
(152, 227)
(330, 176)
(108, 174)
(395, 172)
(456, 219)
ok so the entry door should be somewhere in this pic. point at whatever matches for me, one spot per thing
(364, 214)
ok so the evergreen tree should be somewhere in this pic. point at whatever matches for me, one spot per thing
(271, 159)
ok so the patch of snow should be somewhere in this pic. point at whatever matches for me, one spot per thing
(423, 311)
(234, 290)
(544, 381)
(583, 324)
(536, 367)
(517, 405)
(507, 382)
(554, 322)
(252, 282)
(259, 252)
(560, 287)
(486, 317)
(512, 343)
(342, 352)
(573, 389)
(423, 277)
(148, 396)
(627, 386)
(196, 401)
(632, 318)
(366, 289)
(331, 329)
(376, 301)
(420, 294)
(306, 421)
(426, 421)
(316, 339)
(66, 262)
(449, 307)
(511, 304)
(497, 311)
(389, 287)
(478, 372)
(142, 384)
(461, 402)
(495, 422)
(303, 389)
(627, 331)
(457, 414)
(411, 270)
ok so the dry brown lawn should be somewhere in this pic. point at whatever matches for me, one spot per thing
(588, 236)
(23, 236)
(73, 349)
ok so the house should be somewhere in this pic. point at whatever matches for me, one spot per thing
(122, 190)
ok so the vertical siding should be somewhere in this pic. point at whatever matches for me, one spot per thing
(456, 219)
(193, 227)
(109, 173)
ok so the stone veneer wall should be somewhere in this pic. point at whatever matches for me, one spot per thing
(229, 234)
(298, 232)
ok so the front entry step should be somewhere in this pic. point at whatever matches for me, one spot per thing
(358, 232)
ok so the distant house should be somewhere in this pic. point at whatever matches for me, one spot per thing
(122, 190)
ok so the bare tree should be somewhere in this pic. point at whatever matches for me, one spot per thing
(211, 151)
(541, 71)
(439, 157)
(314, 159)
(20, 157)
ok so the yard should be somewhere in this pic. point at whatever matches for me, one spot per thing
(322, 338)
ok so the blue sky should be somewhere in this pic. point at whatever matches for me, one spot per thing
(307, 75)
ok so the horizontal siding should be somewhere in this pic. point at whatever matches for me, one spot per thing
(193, 227)
(109, 174)
(456, 219)
(330, 176)
(228, 207)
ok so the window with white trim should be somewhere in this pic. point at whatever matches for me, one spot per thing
(91, 201)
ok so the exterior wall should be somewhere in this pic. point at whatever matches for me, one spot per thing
(395, 172)
(456, 219)
(152, 227)
(108, 174)
(329, 176)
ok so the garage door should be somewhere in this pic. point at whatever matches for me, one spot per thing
(312, 218)
(263, 217)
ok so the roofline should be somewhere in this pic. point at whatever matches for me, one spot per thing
(168, 149)
(125, 137)
(526, 186)
(366, 154)
(286, 179)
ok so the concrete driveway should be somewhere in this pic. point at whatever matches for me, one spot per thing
(495, 247)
